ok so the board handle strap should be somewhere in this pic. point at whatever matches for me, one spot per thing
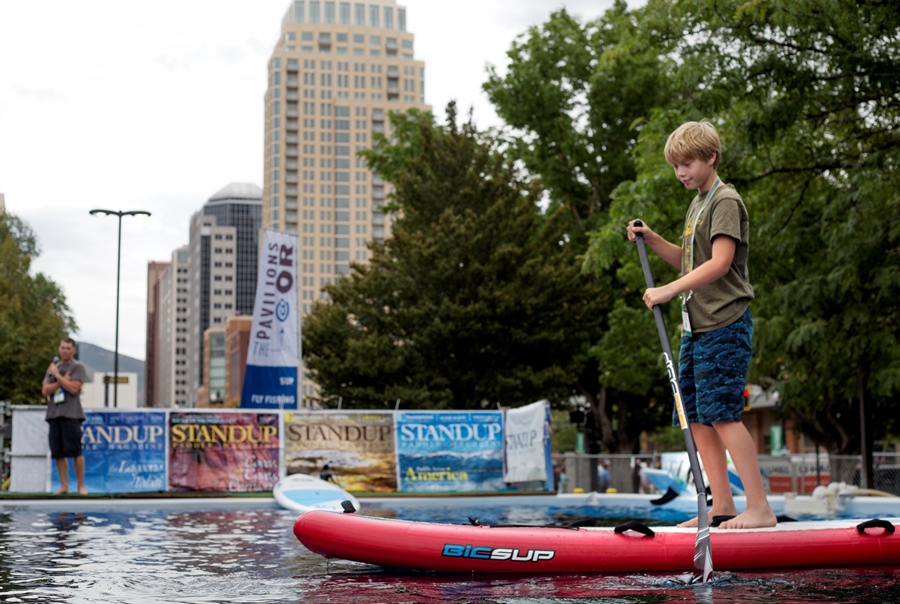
(875, 523)
(634, 525)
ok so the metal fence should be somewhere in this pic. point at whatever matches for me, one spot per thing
(803, 473)
(579, 471)
(788, 474)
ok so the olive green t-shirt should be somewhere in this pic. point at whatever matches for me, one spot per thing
(722, 302)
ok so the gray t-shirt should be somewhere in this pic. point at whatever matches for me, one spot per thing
(62, 403)
(723, 301)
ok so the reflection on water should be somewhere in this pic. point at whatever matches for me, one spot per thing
(252, 556)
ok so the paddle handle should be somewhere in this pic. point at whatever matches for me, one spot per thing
(664, 340)
(703, 568)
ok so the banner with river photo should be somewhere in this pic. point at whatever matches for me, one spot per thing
(354, 449)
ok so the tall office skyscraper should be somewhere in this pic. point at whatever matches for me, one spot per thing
(337, 71)
(222, 266)
(172, 333)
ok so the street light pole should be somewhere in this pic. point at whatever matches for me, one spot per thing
(118, 213)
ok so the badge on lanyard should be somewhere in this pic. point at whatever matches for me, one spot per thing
(685, 319)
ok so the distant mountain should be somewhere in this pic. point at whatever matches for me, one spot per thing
(100, 359)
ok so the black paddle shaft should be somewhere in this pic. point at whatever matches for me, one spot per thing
(702, 554)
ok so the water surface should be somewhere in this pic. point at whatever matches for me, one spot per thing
(251, 555)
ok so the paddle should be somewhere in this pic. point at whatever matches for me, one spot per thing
(703, 566)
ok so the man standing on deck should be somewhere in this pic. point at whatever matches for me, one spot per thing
(62, 387)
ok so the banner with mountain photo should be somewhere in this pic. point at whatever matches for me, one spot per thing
(270, 381)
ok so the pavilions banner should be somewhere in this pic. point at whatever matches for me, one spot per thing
(354, 449)
(223, 451)
(270, 381)
(450, 451)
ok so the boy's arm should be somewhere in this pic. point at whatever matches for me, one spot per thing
(669, 252)
(723, 248)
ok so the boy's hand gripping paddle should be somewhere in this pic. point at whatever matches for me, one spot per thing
(703, 566)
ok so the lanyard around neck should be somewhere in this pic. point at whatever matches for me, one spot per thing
(709, 196)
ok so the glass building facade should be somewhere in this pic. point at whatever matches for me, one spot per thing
(223, 246)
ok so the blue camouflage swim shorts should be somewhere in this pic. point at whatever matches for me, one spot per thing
(712, 371)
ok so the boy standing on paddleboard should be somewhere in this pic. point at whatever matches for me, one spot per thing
(715, 294)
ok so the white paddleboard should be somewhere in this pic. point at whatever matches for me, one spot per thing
(302, 492)
(664, 480)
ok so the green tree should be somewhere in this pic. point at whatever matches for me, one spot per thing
(476, 298)
(807, 97)
(575, 97)
(33, 315)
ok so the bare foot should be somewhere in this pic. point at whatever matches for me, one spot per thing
(82, 491)
(751, 518)
(63, 491)
(692, 523)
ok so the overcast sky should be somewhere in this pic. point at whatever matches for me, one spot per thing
(157, 105)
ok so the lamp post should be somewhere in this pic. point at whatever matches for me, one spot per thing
(118, 213)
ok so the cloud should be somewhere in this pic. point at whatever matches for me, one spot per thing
(231, 53)
(535, 12)
(184, 62)
(259, 47)
(45, 95)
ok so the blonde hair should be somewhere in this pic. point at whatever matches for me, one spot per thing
(694, 140)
